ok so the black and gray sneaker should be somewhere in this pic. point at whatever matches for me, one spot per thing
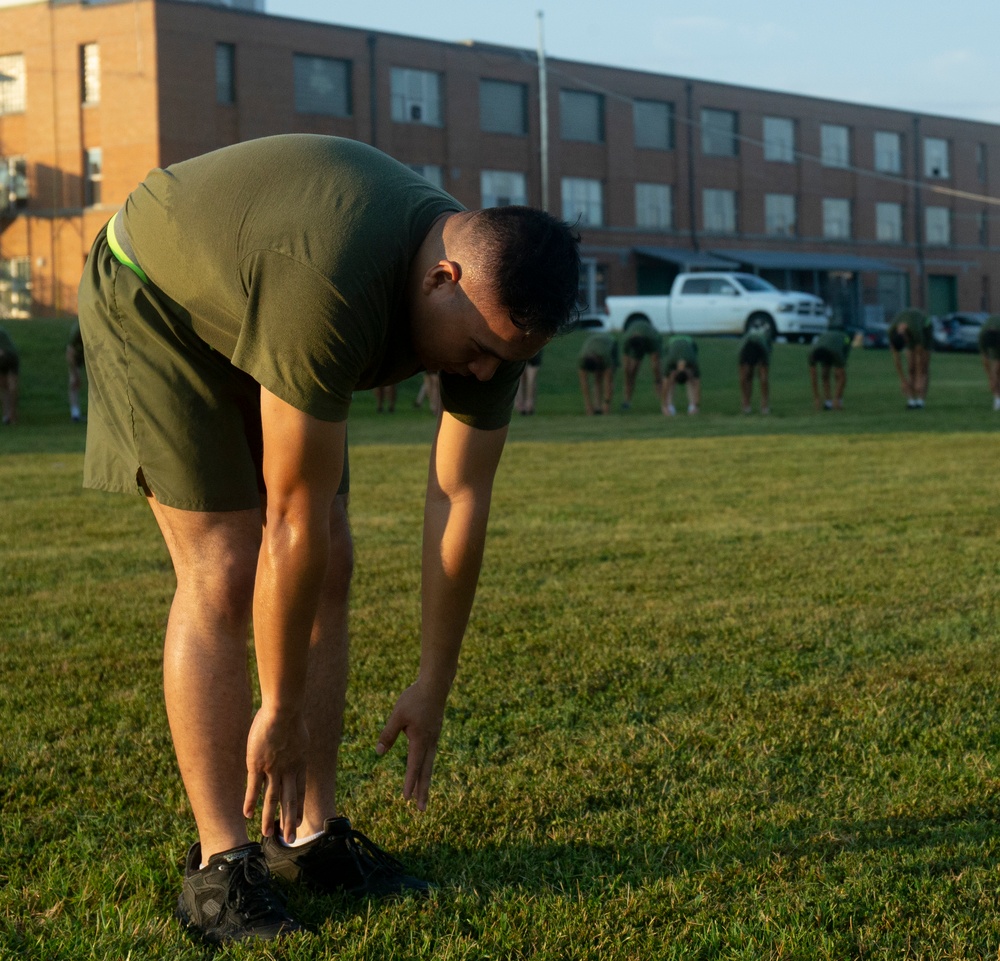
(231, 898)
(342, 859)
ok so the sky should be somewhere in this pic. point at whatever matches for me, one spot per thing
(939, 58)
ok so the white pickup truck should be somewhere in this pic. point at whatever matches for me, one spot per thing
(724, 303)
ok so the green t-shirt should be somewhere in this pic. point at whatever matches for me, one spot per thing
(834, 345)
(755, 347)
(640, 337)
(289, 255)
(681, 347)
(7, 346)
(602, 348)
(918, 325)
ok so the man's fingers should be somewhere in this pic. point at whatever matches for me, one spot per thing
(289, 810)
(254, 783)
(388, 736)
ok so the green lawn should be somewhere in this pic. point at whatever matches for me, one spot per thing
(730, 689)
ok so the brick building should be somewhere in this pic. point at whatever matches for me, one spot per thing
(872, 208)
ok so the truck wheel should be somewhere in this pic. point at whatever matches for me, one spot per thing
(762, 321)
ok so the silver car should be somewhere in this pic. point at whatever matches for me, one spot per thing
(958, 331)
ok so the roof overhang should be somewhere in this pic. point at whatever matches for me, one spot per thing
(805, 260)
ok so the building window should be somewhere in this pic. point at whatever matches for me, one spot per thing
(936, 158)
(779, 215)
(503, 107)
(719, 211)
(889, 223)
(981, 155)
(502, 188)
(581, 116)
(593, 287)
(718, 133)
(12, 84)
(13, 183)
(416, 96)
(93, 175)
(834, 145)
(654, 206)
(431, 172)
(322, 85)
(836, 219)
(583, 201)
(937, 222)
(225, 73)
(779, 139)
(90, 73)
(653, 121)
(888, 152)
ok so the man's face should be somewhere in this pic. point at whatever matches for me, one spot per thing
(460, 328)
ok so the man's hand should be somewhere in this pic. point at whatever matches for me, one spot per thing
(419, 714)
(276, 763)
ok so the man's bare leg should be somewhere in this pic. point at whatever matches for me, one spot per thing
(205, 681)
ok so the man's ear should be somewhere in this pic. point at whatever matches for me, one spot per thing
(441, 274)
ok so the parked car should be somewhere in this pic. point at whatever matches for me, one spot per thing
(958, 331)
(724, 303)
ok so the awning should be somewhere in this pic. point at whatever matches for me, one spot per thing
(687, 258)
(804, 260)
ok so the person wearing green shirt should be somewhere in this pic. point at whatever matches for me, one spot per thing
(829, 353)
(681, 368)
(989, 350)
(74, 367)
(596, 365)
(912, 332)
(754, 356)
(231, 309)
(640, 339)
(10, 370)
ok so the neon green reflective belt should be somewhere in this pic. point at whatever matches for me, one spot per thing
(120, 255)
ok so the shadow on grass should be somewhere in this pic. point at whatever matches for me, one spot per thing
(934, 847)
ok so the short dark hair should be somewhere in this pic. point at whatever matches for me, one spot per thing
(534, 260)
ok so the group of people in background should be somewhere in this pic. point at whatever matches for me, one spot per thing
(10, 371)
(910, 337)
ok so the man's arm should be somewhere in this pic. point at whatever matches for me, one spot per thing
(459, 487)
(303, 461)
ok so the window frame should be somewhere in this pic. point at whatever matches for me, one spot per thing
(730, 216)
(709, 131)
(835, 153)
(777, 150)
(519, 128)
(404, 98)
(569, 116)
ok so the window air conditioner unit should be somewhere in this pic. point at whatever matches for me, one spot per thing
(416, 112)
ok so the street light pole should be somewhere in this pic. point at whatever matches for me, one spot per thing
(543, 111)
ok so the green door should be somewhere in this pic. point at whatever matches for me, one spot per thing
(942, 294)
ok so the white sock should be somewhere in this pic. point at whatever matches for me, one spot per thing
(299, 841)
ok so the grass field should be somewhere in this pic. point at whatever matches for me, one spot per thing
(730, 688)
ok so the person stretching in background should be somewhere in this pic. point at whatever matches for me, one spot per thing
(682, 368)
(911, 331)
(989, 349)
(597, 361)
(829, 352)
(754, 355)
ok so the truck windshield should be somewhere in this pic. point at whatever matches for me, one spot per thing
(754, 284)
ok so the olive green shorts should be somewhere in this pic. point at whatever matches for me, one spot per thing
(165, 410)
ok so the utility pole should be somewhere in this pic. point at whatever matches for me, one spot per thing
(543, 111)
